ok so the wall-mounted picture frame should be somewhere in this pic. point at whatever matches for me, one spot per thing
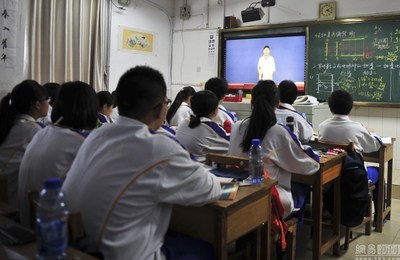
(136, 40)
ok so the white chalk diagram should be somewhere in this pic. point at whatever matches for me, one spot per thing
(324, 82)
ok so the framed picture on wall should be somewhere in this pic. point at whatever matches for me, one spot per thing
(136, 40)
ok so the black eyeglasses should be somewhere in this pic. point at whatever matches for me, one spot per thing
(168, 102)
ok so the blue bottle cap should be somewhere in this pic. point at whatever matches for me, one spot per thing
(255, 142)
(53, 183)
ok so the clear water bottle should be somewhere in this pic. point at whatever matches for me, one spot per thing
(51, 221)
(256, 156)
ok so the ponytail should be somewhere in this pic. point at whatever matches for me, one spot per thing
(7, 114)
(265, 96)
(194, 121)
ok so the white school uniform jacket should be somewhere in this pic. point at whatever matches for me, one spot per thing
(197, 140)
(12, 150)
(222, 115)
(340, 129)
(302, 129)
(285, 156)
(49, 154)
(183, 112)
(124, 181)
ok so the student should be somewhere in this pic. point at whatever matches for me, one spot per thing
(288, 94)
(114, 115)
(52, 90)
(199, 133)
(266, 65)
(180, 108)
(126, 197)
(106, 104)
(219, 87)
(341, 129)
(283, 151)
(75, 110)
(19, 112)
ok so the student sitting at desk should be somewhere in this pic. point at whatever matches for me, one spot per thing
(219, 87)
(126, 197)
(180, 108)
(199, 133)
(106, 104)
(288, 94)
(52, 149)
(341, 130)
(283, 151)
(19, 111)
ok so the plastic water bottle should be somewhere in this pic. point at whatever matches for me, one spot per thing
(256, 168)
(51, 221)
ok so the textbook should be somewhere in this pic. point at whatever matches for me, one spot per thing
(229, 190)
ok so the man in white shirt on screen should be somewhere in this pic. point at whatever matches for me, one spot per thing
(266, 65)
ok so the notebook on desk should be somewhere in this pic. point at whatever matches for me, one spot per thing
(235, 173)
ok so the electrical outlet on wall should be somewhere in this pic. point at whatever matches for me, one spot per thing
(185, 12)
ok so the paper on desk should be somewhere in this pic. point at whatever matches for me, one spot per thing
(386, 140)
(224, 180)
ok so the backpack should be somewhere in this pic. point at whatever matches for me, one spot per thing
(355, 197)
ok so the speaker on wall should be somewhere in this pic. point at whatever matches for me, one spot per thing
(252, 14)
(229, 22)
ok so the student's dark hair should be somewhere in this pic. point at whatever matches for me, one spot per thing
(114, 93)
(264, 98)
(76, 106)
(340, 102)
(266, 46)
(217, 85)
(287, 91)
(140, 90)
(52, 89)
(105, 98)
(203, 104)
(182, 95)
(19, 101)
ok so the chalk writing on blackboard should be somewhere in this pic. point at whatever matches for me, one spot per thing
(361, 58)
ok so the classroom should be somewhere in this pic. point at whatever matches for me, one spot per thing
(191, 41)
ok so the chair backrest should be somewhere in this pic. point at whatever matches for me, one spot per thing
(345, 146)
(33, 197)
(225, 160)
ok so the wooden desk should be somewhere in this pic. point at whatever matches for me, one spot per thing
(383, 155)
(330, 169)
(224, 221)
(28, 251)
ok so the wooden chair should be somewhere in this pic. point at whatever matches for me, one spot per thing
(226, 161)
(5, 209)
(368, 217)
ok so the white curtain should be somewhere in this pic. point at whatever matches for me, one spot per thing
(67, 40)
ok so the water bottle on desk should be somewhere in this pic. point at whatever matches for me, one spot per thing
(256, 156)
(290, 123)
(51, 221)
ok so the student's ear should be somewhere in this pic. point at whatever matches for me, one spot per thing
(214, 113)
(158, 111)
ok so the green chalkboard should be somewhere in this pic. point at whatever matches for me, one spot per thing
(362, 58)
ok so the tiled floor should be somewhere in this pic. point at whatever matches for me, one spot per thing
(388, 239)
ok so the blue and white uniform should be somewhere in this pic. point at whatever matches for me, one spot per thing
(284, 156)
(12, 150)
(183, 112)
(126, 197)
(341, 130)
(302, 129)
(223, 115)
(49, 154)
(197, 140)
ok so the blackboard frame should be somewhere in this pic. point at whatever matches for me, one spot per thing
(265, 29)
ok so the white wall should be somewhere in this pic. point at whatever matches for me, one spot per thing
(147, 16)
(190, 63)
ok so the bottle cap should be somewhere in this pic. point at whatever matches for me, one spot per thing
(53, 183)
(255, 142)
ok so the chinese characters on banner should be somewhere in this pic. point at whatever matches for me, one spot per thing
(8, 38)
